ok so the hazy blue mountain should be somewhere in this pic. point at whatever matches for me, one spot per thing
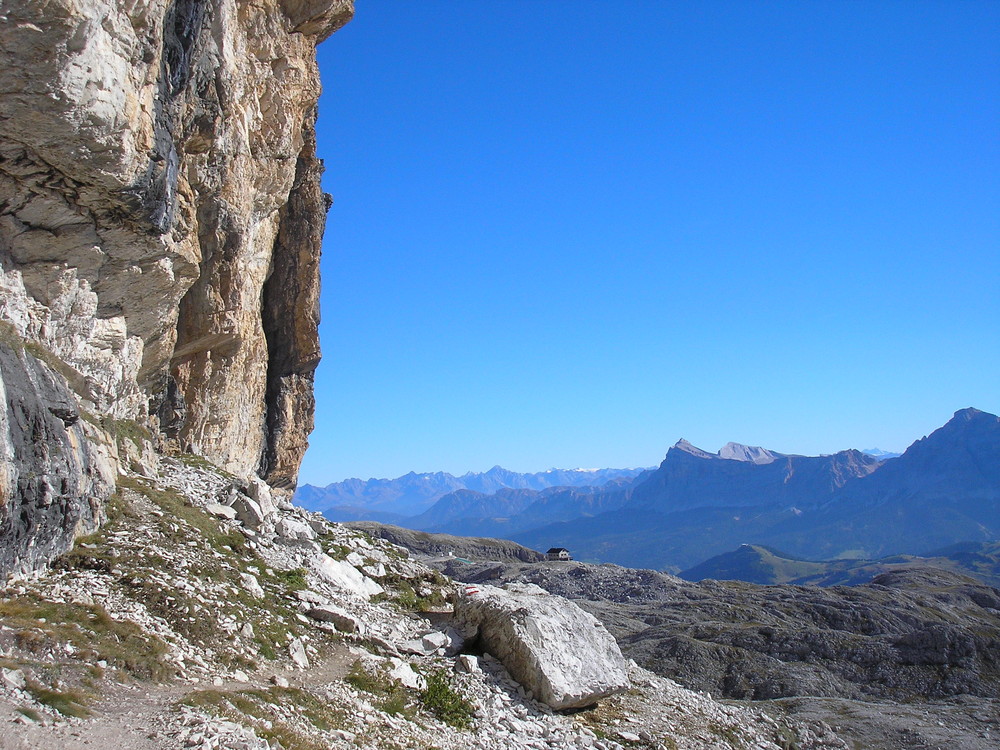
(943, 490)
(413, 494)
(880, 454)
(511, 511)
(759, 564)
(740, 476)
(462, 504)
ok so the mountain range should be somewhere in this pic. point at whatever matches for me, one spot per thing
(390, 500)
(943, 490)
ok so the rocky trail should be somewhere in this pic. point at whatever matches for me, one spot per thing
(143, 716)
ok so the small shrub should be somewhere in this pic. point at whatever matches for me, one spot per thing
(441, 699)
(293, 580)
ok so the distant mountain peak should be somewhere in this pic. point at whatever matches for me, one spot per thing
(730, 452)
(686, 447)
(752, 453)
(967, 413)
(880, 454)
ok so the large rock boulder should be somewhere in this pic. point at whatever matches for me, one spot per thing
(345, 576)
(547, 643)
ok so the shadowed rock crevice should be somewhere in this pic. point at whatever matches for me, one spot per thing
(291, 319)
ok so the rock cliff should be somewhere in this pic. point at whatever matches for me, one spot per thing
(160, 226)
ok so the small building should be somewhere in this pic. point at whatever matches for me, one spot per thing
(558, 553)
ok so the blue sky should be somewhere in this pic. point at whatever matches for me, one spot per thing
(569, 233)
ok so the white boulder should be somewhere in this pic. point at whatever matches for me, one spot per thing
(344, 621)
(289, 528)
(297, 652)
(346, 577)
(248, 511)
(403, 672)
(547, 643)
(221, 511)
(251, 585)
(260, 492)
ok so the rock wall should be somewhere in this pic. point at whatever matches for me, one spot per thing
(54, 477)
(161, 215)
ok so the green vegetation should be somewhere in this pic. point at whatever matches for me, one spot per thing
(270, 713)
(68, 702)
(225, 555)
(293, 580)
(404, 592)
(393, 697)
(126, 429)
(40, 625)
(441, 699)
(178, 509)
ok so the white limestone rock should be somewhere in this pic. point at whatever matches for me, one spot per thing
(403, 672)
(344, 621)
(289, 528)
(297, 652)
(221, 511)
(13, 678)
(547, 643)
(248, 511)
(251, 585)
(345, 576)
(259, 491)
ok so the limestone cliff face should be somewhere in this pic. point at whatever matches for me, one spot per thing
(161, 216)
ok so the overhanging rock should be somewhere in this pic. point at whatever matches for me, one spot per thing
(547, 643)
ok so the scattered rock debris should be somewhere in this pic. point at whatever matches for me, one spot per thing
(180, 625)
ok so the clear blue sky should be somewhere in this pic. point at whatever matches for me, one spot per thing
(569, 233)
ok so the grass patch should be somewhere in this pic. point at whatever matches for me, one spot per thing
(177, 508)
(336, 551)
(215, 573)
(376, 682)
(267, 713)
(68, 702)
(442, 700)
(41, 625)
(293, 580)
(405, 593)
(392, 696)
(126, 429)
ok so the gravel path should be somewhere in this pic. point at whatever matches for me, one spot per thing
(142, 716)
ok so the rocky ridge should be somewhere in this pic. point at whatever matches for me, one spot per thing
(214, 615)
